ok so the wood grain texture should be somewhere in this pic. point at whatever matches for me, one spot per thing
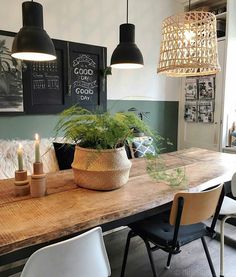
(66, 209)
(198, 206)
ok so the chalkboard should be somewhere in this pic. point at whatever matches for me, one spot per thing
(88, 85)
(74, 78)
(46, 83)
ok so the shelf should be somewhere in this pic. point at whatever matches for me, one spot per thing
(221, 15)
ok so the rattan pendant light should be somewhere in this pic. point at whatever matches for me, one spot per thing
(189, 45)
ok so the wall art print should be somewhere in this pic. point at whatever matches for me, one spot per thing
(11, 87)
(191, 90)
(200, 99)
(190, 113)
(206, 111)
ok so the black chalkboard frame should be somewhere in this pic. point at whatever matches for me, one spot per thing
(67, 49)
(48, 108)
(101, 54)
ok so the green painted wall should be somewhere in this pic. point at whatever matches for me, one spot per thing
(163, 117)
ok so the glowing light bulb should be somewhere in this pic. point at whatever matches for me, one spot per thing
(189, 35)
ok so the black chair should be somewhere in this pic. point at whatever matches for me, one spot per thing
(179, 227)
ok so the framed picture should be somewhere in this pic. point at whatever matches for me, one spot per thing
(206, 111)
(206, 87)
(190, 113)
(11, 86)
(191, 89)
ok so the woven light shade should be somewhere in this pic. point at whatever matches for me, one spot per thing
(189, 45)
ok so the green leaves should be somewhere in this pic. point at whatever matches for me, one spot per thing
(98, 131)
(175, 178)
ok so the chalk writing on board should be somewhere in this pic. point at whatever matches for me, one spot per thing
(85, 78)
(45, 76)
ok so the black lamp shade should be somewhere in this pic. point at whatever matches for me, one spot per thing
(32, 42)
(127, 54)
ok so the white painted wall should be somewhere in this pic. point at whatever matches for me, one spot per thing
(229, 103)
(97, 22)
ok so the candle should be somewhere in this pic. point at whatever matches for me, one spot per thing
(20, 157)
(37, 150)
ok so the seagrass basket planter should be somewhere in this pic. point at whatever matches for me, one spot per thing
(189, 45)
(101, 169)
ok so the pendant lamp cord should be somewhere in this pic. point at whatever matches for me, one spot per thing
(127, 9)
(189, 5)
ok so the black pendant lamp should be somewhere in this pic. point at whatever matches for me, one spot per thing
(32, 43)
(127, 55)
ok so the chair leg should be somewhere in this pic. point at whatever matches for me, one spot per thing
(222, 241)
(130, 235)
(208, 257)
(150, 258)
(168, 261)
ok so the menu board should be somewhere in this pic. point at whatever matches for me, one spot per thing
(75, 77)
(45, 84)
(47, 81)
(87, 81)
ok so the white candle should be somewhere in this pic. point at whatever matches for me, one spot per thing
(20, 157)
(37, 149)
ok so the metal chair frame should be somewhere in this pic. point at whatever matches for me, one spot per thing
(222, 241)
(174, 248)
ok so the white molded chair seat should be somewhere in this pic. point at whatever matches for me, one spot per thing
(228, 210)
(228, 207)
(81, 256)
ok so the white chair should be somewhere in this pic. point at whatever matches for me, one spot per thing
(228, 210)
(81, 256)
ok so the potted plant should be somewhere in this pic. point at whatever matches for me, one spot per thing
(100, 160)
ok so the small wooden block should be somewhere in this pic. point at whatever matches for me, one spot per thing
(38, 168)
(22, 190)
(38, 185)
(21, 183)
(20, 175)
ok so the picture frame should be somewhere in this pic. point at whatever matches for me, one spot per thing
(11, 78)
(206, 111)
(206, 87)
(200, 99)
(190, 112)
(191, 89)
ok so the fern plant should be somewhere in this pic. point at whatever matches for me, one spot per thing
(99, 131)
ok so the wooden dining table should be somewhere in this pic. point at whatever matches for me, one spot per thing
(27, 223)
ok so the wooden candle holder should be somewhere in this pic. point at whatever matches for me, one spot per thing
(38, 168)
(38, 181)
(21, 184)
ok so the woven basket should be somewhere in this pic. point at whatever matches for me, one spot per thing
(101, 169)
